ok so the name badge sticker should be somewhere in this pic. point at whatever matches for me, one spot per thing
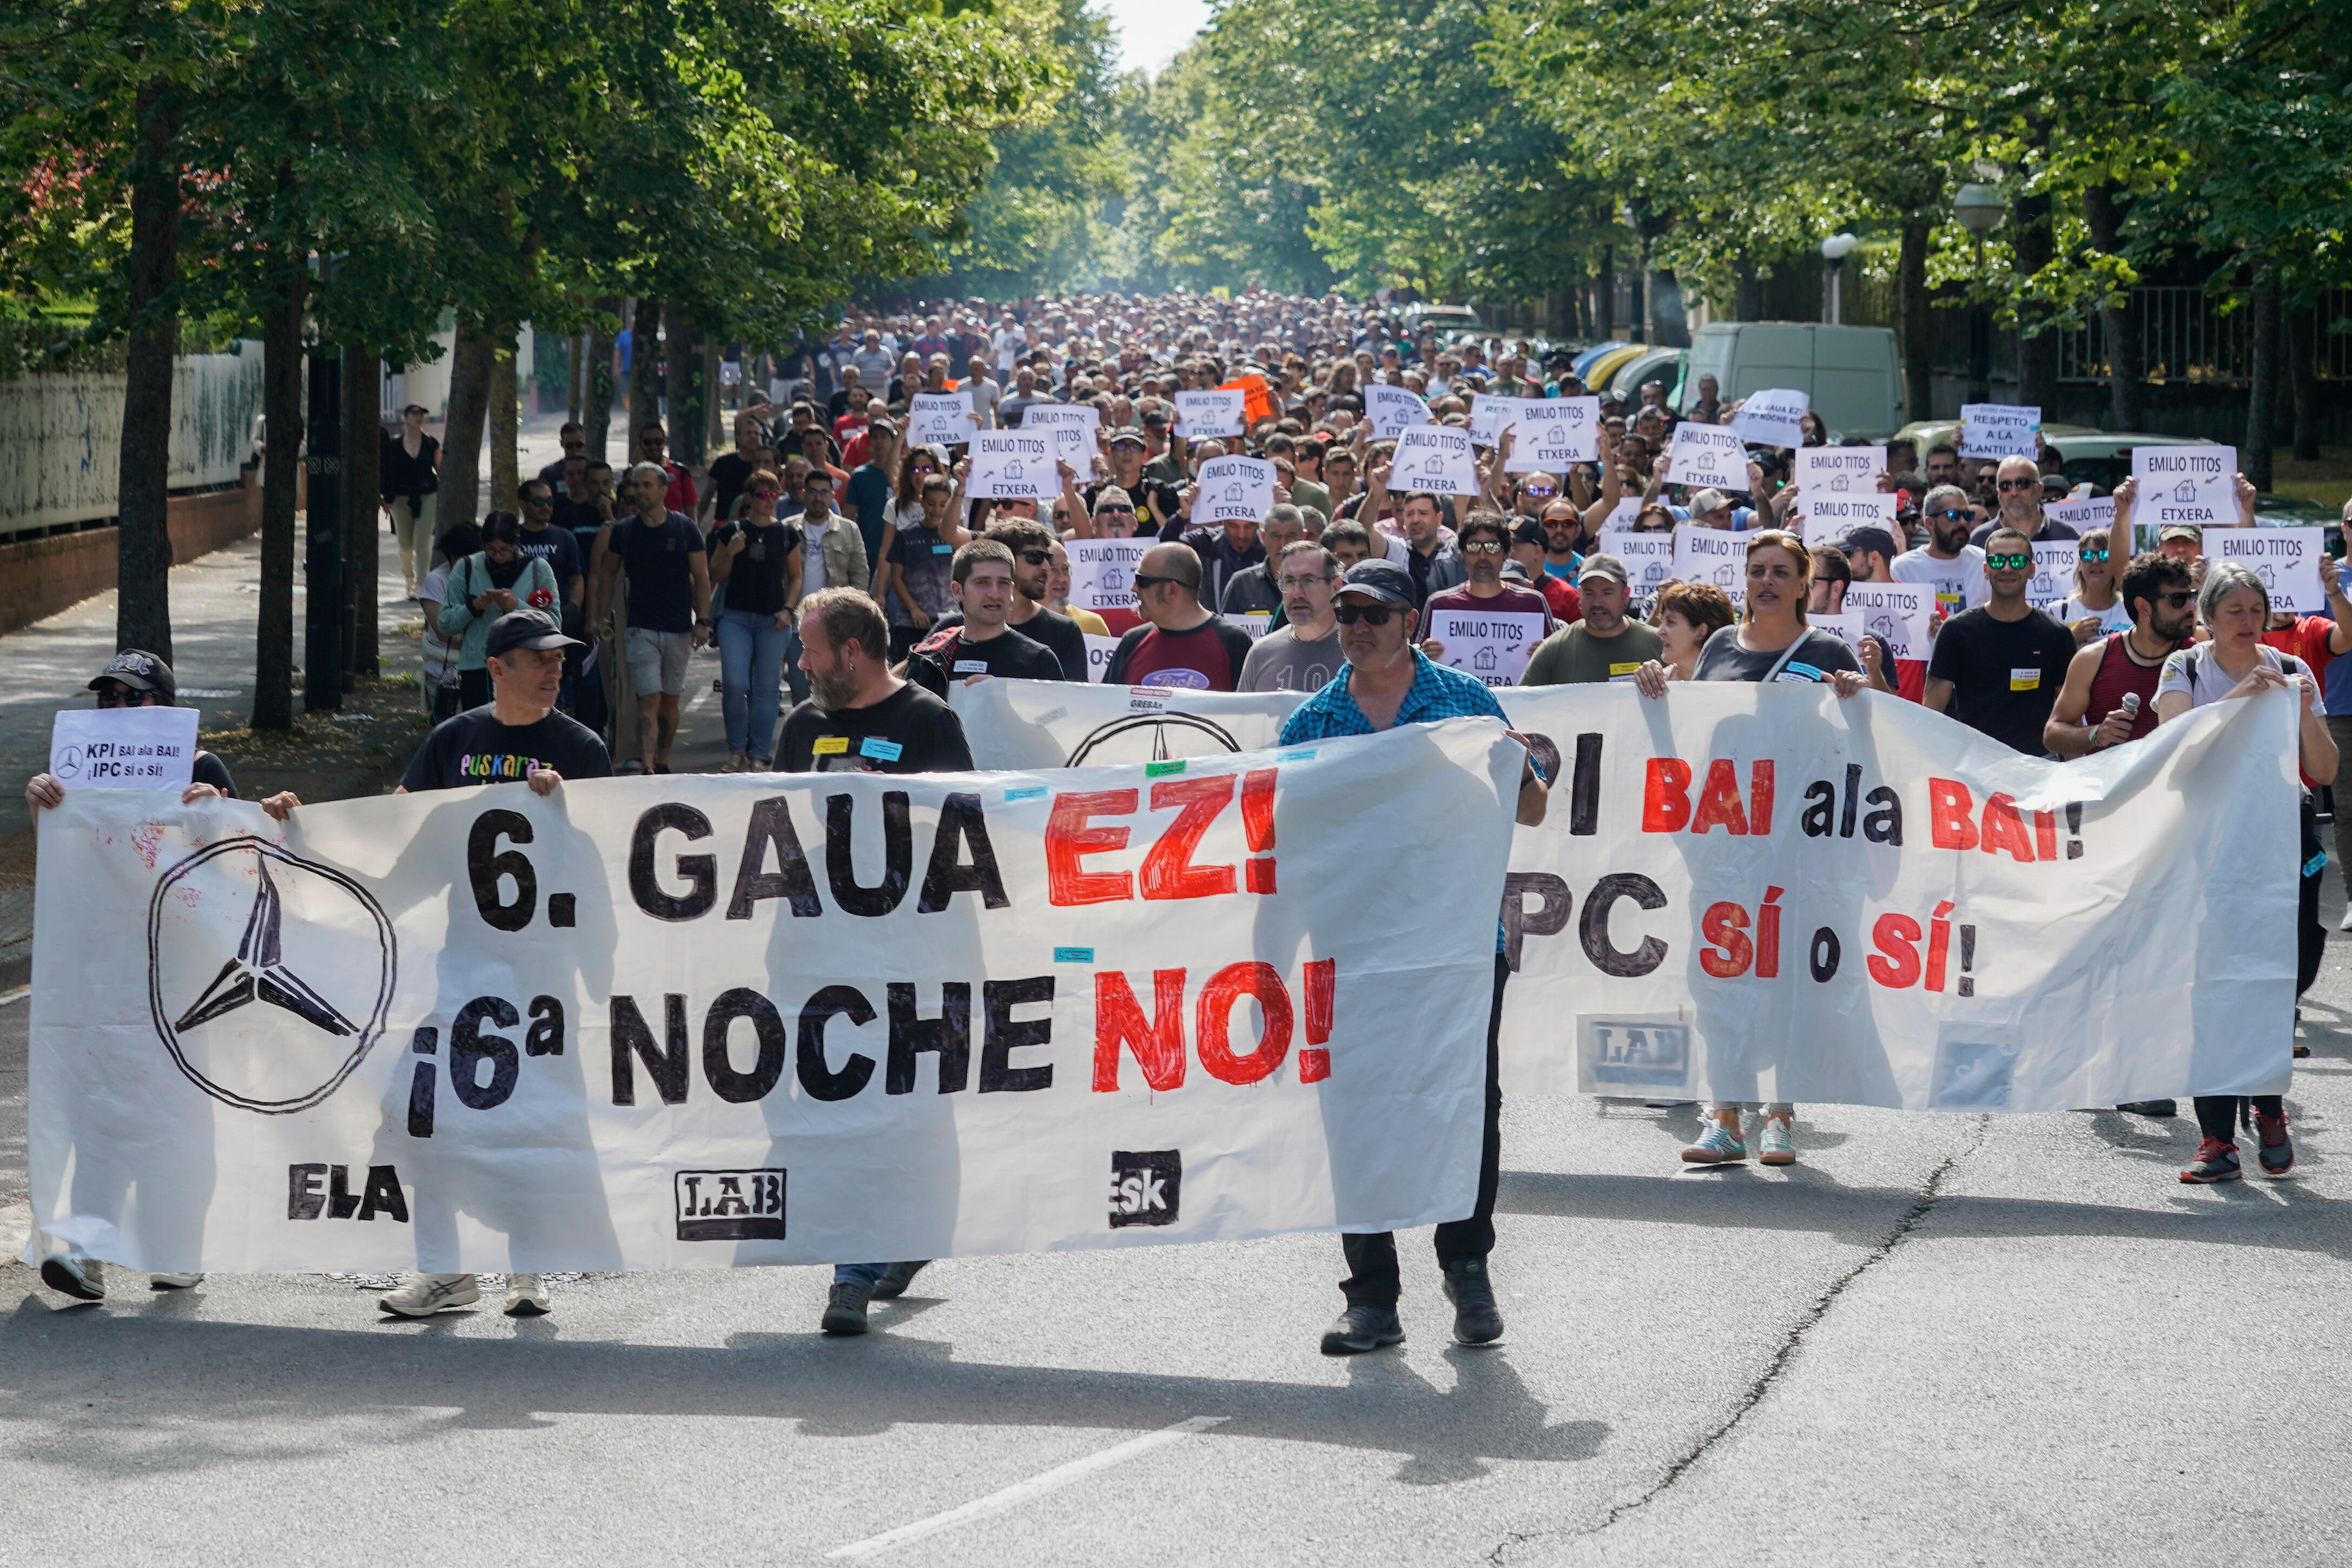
(831, 746)
(971, 667)
(2024, 680)
(880, 749)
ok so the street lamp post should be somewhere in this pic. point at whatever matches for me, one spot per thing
(1979, 210)
(1834, 250)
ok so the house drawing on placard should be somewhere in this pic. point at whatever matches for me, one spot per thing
(2185, 492)
(1012, 469)
(1110, 579)
(1724, 575)
(1434, 465)
(1234, 492)
(1840, 483)
(1483, 659)
(2268, 573)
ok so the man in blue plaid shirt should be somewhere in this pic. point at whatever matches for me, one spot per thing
(1388, 681)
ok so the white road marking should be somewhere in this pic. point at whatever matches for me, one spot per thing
(15, 1229)
(1025, 1492)
(9, 998)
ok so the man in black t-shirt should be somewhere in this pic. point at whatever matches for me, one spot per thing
(982, 644)
(1032, 545)
(669, 569)
(1999, 668)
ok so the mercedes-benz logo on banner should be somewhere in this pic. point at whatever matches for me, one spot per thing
(276, 1022)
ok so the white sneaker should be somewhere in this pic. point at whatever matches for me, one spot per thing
(174, 1281)
(1776, 1146)
(83, 1278)
(2345, 924)
(526, 1297)
(422, 1295)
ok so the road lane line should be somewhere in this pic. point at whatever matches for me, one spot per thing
(1025, 1492)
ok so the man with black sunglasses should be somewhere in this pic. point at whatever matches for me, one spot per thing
(1181, 644)
(2017, 485)
(1947, 562)
(1032, 544)
(1998, 668)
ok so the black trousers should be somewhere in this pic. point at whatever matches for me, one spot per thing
(1372, 1256)
(2217, 1115)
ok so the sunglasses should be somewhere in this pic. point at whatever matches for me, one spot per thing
(1483, 546)
(763, 494)
(2179, 598)
(1144, 579)
(1539, 490)
(2095, 555)
(1036, 557)
(122, 696)
(1114, 511)
(1369, 614)
(1954, 514)
(2007, 485)
(2009, 562)
(539, 500)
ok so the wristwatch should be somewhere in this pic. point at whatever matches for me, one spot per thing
(704, 624)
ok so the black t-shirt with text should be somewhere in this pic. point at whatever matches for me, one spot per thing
(948, 655)
(475, 747)
(909, 731)
(757, 580)
(1057, 632)
(2005, 675)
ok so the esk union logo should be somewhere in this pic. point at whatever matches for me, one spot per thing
(268, 976)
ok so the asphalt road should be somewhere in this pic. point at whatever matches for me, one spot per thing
(1939, 1339)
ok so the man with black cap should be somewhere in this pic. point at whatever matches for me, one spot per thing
(1155, 500)
(1390, 682)
(1601, 646)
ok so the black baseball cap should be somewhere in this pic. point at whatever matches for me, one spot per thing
(1866, 538)
(1530, 531)
(1127, 433)
(1384, 580)
(142, 672)
(527, 628)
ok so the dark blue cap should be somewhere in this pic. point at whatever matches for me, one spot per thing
(1384, 580)
(526, 629)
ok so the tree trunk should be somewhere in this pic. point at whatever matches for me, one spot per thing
(1915, 341)
(1746, 290)
(714, 396)
(142, 607)
(2105, 221)
(644, 374)
(682, 387)
(504, 412)
(596, 413)
(362, 533)
(2262, 399)
(461, 436)
(281, 403)
(2302, 379)
(2037, 344)
(1607, 293)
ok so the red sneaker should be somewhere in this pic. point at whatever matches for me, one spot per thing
(2216, 1161)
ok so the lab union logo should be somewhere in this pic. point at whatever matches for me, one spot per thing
(268, 976)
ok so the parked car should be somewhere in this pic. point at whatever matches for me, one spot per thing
(1652, 365)
(1850, 373)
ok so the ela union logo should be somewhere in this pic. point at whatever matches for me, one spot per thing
(268, 976)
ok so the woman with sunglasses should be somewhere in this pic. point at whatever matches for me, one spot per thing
(2095, 609)
(1770, 642)
(2235, 608)
(907, 498)
(758, 559)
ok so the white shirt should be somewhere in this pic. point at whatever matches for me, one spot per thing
(440, 658)
(812, 554)
(2112, 619)
(1960, 582)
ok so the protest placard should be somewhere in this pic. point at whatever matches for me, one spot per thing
(1098, 652)
(1713, 556)
(2098, 512)
(1200, 415)
(1623, 515)
(1012, 465)
(123, 748)
(1838, 470)
(2286, 559)
(1774, 417)
(1071, 425)
(2000, 430)
(1706, 455)
(1233, 487)
(1254, 622)
(1102, 572)
(1495, 647)
(1436, 458)
(2052, 582)
(2196, 485)
(1897, 614)
(1648, 558)
(1551, 433)
(1846, 626)
(1827, 517)
(940, 419)
(1490, 416)
(1392, 411)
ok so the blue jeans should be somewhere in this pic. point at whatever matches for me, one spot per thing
(750, 663)
(857, 1273)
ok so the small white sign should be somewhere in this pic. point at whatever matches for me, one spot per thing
(1846, 626)
(2083, 515)
(2053, 572)
(2000, 430)
(1775, 417)
(1704, 456)
(1554, 432)
(1493, 647)
(1897, 614)
(1490, 416)
(1623, 513)
(1098, 652)
(1202, 414)
(1253, 621)
(1648, 558)
(1393, 410)
(1434, 457)
(1102, 572)
(1713, 556)
(2286, 559)
(123, 748)
(1071, 425)
(1828, 517)
(1839, 470)
(942, 419)
(2186, 484)
(1013, 465)
(1233, 487)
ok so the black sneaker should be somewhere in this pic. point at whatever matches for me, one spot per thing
(1362, 1328)
(1477, 1319)
(2150, 1108)
(2216, 1161)
(845, 1309)
(2275, 1151)
(895, 1279)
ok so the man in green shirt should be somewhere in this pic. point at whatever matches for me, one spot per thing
(1603, 645)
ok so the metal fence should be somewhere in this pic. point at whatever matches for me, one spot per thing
(2184, 336)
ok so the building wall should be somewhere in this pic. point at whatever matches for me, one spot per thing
(61, 436)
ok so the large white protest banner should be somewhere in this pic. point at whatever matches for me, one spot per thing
(1897, 614)
(1494, 648)
(2186, 484)
(1827, 516)
(1436, 458)
(713, 1021)
(1233, 487)
(1102, 572)
(1393, 410)
(2097, 512)
(2000, 430)
(1648, 558)
(1550, 433)
(1071, 425)
(2053, 572)
(940, 419)
(1706, 455)
(1839, 470)
(1013, 465)
(123, 748)
(1202, 414)
(2286, 559)
(1774, 417)
(1712, 556)
(1765, 892)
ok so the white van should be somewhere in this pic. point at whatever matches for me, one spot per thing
(1851, 373)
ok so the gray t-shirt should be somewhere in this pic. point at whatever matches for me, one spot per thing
(1280, 661)
(1811, 658)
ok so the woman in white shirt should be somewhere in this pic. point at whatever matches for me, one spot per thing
(2236, 608)
(439, 678)
(2096, 609)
